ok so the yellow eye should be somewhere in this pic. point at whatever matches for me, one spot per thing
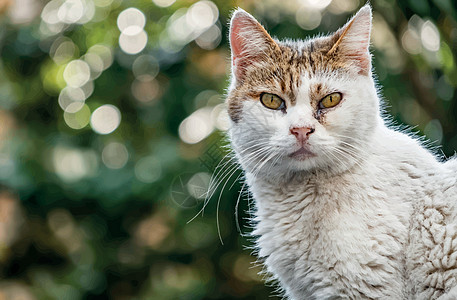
(330, 100)
(271, 101)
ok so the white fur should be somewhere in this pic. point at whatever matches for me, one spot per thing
(374, 231)
(373, 215)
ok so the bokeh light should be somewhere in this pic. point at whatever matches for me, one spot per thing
(11, 219)
(58, 13)
(77, 116)
(131, 21)
(133, 44)
(95, 63)
(133, 38)
(198, 185)
(163, 3)
(316, 4)
(70, 11)
(186, 25)
(307, 18)
(197, 126)
(202, 15)
(145, 65)
(340, 7)
(72, 165)
(22, 11)
(63, 50)
(49, 14)
(102, 211)
(148, 169)
(220, 117)
(146, 89)
(15, 291)
(210, 39)
(76, 73)
(105, 119)
(430, 36)
(103, 3)
(104, 52)
(70, 95)
(411, 42)
(115, 155)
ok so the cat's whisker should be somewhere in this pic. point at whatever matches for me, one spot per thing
(218, 205)
(237, 222)
(339, 160)
(222, 177)
(211, 193)
(221, 167)
(233, 170)
(344, 152)
(274, 162)
(271, 155)
(214, 179)
(348, 168)
(259, 156)
(359, 149)
(227, 174)
(358, 145)
(358, 161)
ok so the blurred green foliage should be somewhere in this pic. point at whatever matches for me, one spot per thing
(98, 158)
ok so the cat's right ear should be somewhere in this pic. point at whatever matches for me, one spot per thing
(249, 42)
(353, 41)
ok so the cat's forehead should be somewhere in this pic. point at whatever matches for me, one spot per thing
(287, 70)
(297, 63)
(294, 60)
(309, 56)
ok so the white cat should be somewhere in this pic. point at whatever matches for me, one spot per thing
(346, 208)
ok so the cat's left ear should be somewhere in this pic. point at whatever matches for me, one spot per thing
(250, 43)
(353, 41)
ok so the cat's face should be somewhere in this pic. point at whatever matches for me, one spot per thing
(301, 106)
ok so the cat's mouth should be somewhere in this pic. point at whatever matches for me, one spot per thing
(302, 154)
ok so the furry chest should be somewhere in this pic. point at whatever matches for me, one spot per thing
(318, 252)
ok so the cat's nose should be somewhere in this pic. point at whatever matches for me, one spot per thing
(302, 133)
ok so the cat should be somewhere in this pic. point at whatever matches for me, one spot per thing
(346, 207)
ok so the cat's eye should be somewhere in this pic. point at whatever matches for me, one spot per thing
(271, 101)
(330, 100)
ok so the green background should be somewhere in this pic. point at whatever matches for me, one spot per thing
(81, 220)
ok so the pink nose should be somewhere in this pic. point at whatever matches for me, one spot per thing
(302, 133)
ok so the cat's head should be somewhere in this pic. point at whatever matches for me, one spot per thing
(301, 105)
